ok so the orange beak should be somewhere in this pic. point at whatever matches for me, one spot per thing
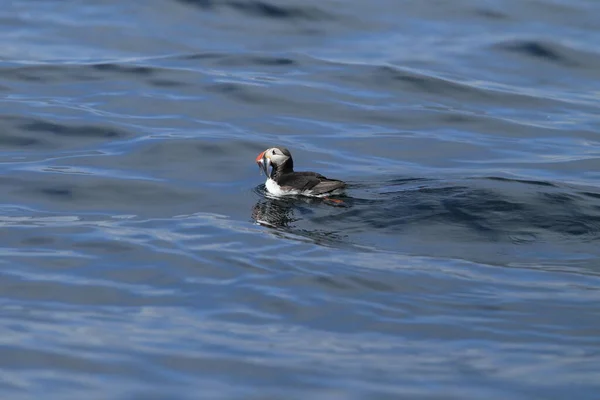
(264, 163)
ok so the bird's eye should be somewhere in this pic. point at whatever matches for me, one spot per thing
(273, 152)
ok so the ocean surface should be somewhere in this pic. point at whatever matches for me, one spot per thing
(141, 259)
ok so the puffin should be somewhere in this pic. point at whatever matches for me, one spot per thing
(282, 180)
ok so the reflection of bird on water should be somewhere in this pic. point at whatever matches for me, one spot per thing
(273, 212)
(280, 214)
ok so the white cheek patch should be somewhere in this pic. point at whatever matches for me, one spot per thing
(278, 159)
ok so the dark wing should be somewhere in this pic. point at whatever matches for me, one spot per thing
(326, 186)
(316, 183)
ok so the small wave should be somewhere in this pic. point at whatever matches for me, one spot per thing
(428, 83)
(437, 89)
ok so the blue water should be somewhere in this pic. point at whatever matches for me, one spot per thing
(141, 259)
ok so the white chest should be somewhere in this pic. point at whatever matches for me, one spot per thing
(276, 190)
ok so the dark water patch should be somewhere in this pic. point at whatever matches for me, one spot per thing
(24, 132)
(243, 60)
(263, 9)
(271, 61)
(28, 74)
(228, 88)
(53, 74)
(9, 140)
(270, 10)
(47, 73)
(211, 149)
(525, 181)
(62, 193)
(563, 199)
(126, 69)
(56, 74)
(404, 181)
(165, 83)
(249, 94)
(574, 225)
(107, 247)
(553, 53)
(491, 14)
(591, 194)
(535, 49)
(204, 4)
(202, 56)
(82, 131)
